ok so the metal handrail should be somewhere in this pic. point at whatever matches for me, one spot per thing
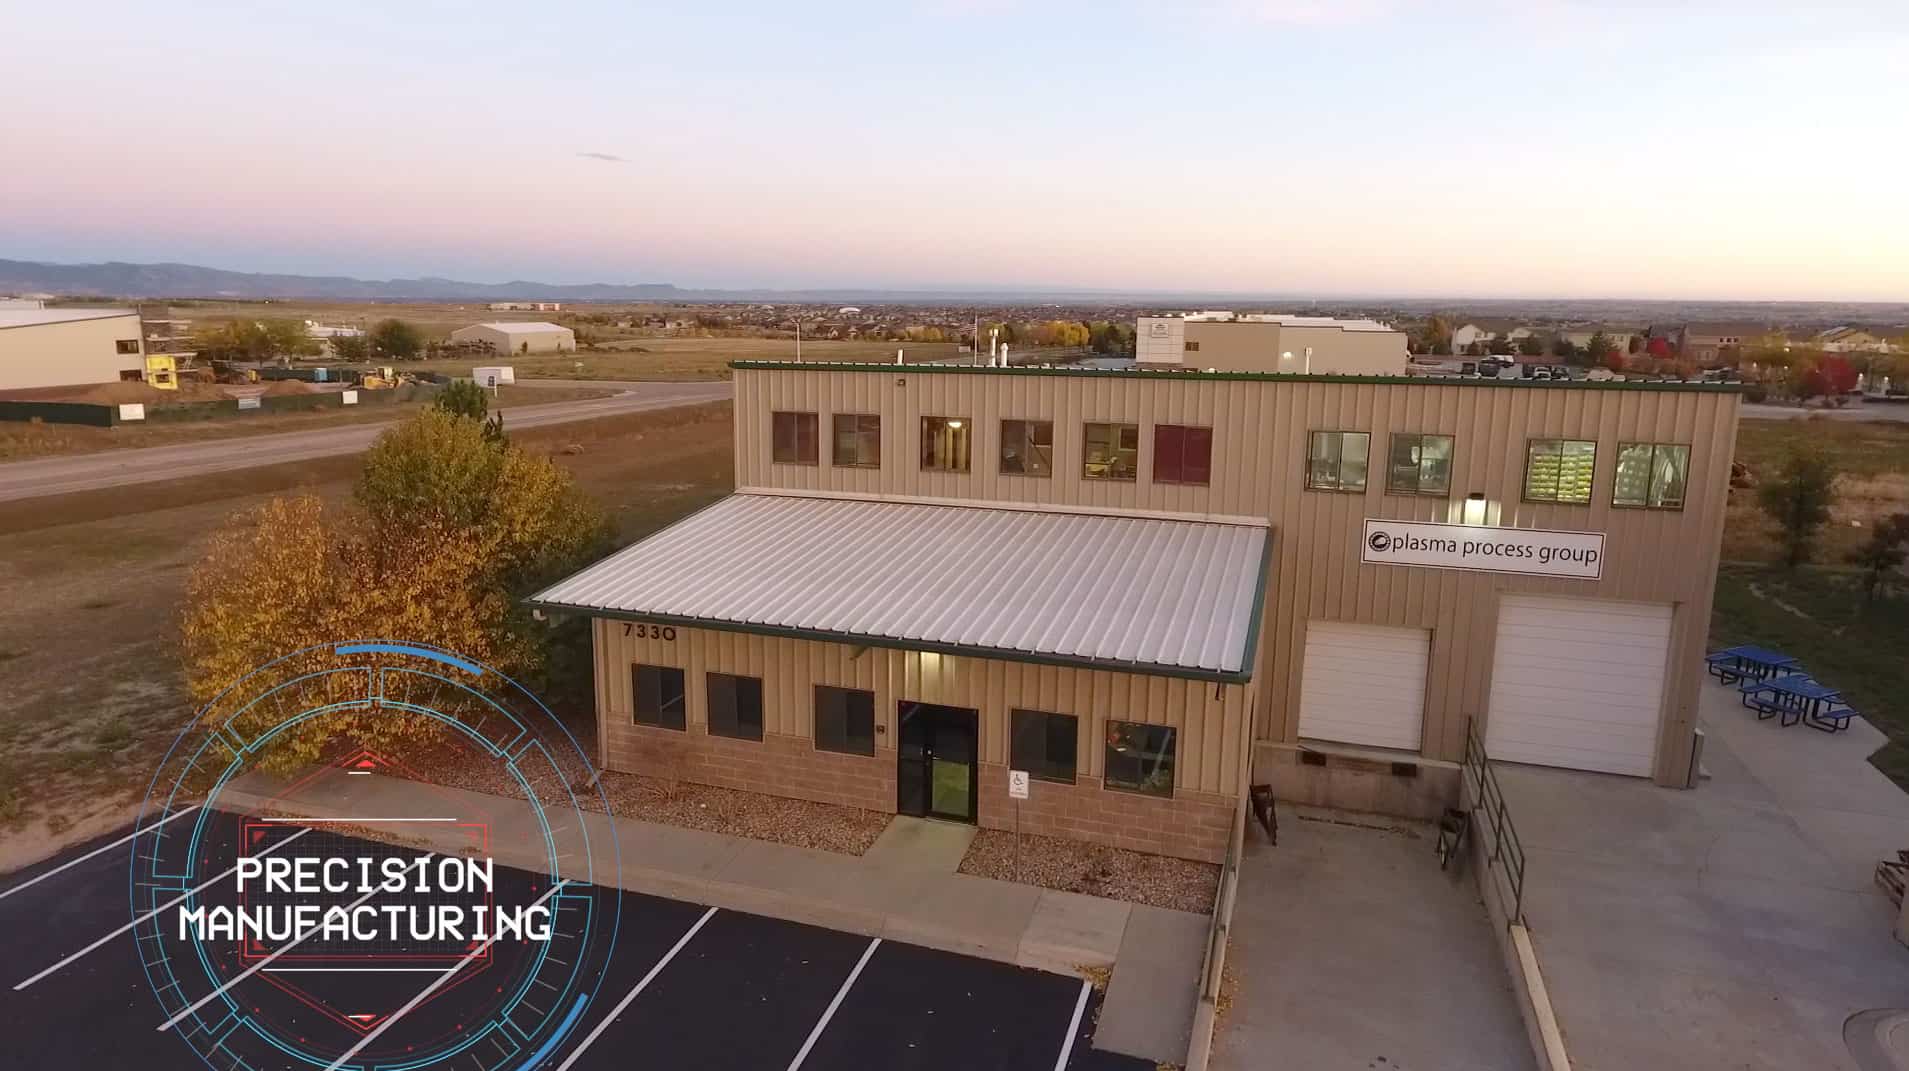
(1507, 856)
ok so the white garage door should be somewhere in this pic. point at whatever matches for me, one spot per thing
(1578, 683)
(1364, 684)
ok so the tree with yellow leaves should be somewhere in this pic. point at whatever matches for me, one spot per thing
(448, 529)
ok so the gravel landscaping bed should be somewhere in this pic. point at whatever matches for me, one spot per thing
(1115, 873)
(848, 830)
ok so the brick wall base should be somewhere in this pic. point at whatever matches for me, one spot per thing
(777, 765)
(1190, 825)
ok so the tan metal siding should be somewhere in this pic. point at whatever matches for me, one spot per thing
(1260, 430)
(1212, 719)
(69, 353)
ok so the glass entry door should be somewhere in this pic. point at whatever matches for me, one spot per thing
(937, 753)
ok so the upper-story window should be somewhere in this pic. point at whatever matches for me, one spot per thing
(1560, 470)
(1337, 460)
(1420, 465)
(1193, 347)
(1182, 453)
(1111, 452)
(945, 443)
(793, 438)
(1651, 475)
(1027, 447)
(126, 345)
(858, 440)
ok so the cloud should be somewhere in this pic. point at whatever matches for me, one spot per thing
(606, 157)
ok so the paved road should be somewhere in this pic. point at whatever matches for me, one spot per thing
(117, 468)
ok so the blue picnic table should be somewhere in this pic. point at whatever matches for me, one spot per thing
(1748, 662)
(1797, 697)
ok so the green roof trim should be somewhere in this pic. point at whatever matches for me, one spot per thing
(958, 649)
(1249, 377)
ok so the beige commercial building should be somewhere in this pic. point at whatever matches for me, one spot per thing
(1151, 590)
(1305, 345)
(520, 337)
(69, 347)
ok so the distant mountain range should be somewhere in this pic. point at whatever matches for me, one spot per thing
(120, 280)
(117, 279)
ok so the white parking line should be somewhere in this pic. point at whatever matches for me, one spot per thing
(262, 964)
(103, 848)
(177, 899)
(577, 1053)
(820, 1025)
(1073, 1026)
(435, 985)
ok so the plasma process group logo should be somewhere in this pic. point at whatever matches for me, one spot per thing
(355, 916)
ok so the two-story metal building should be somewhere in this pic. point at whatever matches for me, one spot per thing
(1153, 589)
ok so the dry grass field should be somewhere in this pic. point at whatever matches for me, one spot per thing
(19, 440)
(691, 358)
(90, 688)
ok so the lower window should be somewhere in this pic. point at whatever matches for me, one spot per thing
(1044, 744)
(844, 720)
(1140, 757)
(735, 705)
(656, 696)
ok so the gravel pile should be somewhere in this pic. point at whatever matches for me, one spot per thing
(1115, 873)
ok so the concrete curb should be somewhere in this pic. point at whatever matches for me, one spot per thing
(1206, 1013)
(1520, 955)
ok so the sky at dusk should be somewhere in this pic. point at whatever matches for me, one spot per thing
(1481, 148)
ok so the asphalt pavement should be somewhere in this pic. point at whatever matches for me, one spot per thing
(119, 468)
(685, 986)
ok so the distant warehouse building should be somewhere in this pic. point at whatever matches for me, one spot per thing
(1150, 590)
(520, 337)
(69, 347)
(1299, 345)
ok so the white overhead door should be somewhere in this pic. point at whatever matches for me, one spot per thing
(1578, 683)
(1364, 684)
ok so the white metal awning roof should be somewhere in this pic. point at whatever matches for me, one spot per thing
(1138, 593)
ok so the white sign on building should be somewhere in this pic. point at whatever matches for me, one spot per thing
(1524, 551)
(1017, 784)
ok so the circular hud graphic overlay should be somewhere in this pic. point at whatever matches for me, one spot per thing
(354, 916)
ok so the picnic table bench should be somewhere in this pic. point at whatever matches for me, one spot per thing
(1797, 697)
(1748, 662)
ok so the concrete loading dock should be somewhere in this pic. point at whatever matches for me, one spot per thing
(1545, 569)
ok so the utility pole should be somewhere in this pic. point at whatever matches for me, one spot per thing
(798, 338)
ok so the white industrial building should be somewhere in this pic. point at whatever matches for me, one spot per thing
(1270, 342)
(521, 337)
(69, 347)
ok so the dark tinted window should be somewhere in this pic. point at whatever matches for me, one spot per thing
(1044, 744)
(735, 705)
(793, 436)
(1027, 447)
(1140, 758)
(1337, 460)
(858, 440)
(1651, 475)
(1420, 465)
(657, 696)
(844, 720)
(1182, 454)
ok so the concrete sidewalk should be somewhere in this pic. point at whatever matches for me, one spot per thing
(1734, 925)
(904, 889)
(1352, 949)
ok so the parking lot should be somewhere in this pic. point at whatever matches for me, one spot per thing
(687, 986)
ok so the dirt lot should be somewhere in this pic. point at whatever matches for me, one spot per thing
(1073, 866)
(23, 440)
(90, 692)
